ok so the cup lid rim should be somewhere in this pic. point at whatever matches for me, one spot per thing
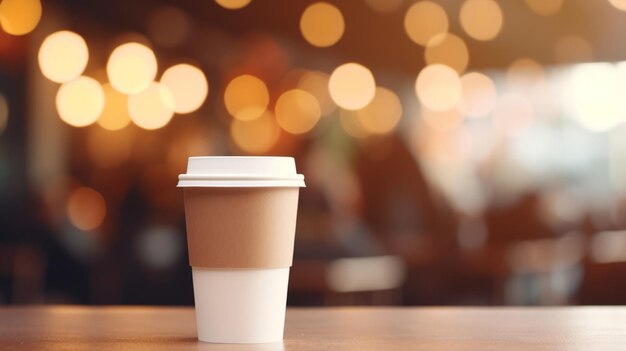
(240, 156)
(246, 171)
(237, 177)
(258, 183)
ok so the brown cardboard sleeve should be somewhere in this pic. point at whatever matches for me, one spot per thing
(241, 227)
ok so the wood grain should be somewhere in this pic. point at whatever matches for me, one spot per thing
(169, 328)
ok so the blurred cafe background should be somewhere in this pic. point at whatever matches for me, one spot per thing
(456, 152)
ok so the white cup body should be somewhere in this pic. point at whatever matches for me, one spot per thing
(240, 305)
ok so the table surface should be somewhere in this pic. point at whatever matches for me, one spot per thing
(434, 328)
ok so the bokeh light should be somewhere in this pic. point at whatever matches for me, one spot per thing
(596, 95)
(297, 111)
(246, 97)
(447, 49)
(424, 20)
(358, 274)
(19, 17)
(322, 24)
(233, 4)
(115, 114)
(619, 4)
(316, 83)
(481, 19)
(545, 7)
(153, 108)
(86, 208)
(384, 6)
(131, 68)
(524, 72)
(572, 49)
(80, 102)
(256, 136)
(188, 86)
(4, 113)
(176, 30)
(381, 115)
(442, 121)
(438, 87)
(479, 95)
(160, 247)
(351, 125)
(63, 56)
(512, 114)
(352, 86)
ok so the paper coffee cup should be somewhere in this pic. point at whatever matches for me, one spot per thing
(241, 216)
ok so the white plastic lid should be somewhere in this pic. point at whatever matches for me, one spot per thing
(241, 171)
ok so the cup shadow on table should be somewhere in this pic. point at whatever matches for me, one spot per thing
(273, 346)
(190, 343)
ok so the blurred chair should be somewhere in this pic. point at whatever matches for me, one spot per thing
(23, 268)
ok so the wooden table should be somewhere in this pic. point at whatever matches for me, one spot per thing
(168, 328)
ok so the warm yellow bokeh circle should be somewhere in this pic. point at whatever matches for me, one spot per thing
(322, 24)
(131, 68)
(80, 102)
(63, 56)
(352, 86)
